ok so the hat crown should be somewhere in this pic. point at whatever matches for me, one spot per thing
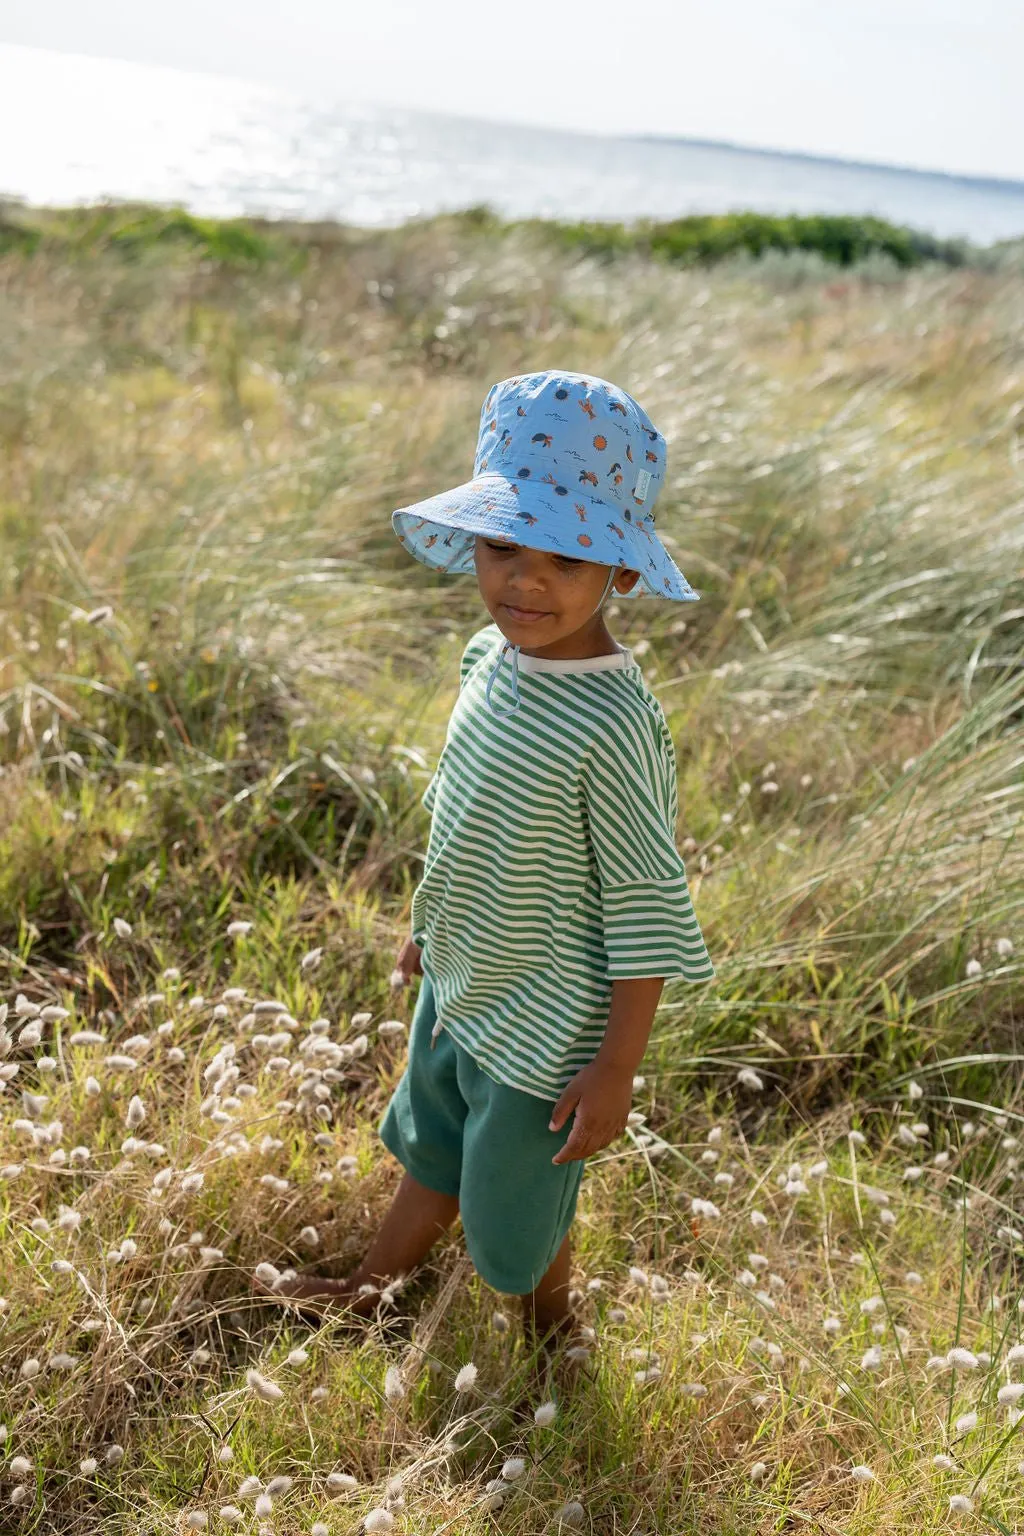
(583, 437)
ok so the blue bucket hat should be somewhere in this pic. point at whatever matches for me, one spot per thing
(567, 463)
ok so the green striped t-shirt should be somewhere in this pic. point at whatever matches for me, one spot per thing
(551, 868)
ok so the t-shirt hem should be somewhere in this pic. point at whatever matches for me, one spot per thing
(549, 1095)
(670, 973)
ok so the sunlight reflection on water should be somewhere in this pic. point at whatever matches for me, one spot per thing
(75, 130)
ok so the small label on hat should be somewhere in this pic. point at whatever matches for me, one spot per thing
(643, 480)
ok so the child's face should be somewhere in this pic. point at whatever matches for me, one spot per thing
(537, 598)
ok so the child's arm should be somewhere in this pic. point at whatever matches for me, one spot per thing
(634, 1000)
(602, 1092)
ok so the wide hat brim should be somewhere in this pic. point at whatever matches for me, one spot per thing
(441, 531)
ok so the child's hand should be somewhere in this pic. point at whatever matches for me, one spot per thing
(407, 965)
(602, 1096)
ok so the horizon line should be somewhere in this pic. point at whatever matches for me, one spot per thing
(980, 178)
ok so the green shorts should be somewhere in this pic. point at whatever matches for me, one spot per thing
(461, 1132)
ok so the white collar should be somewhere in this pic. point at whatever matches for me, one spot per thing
(622, 657)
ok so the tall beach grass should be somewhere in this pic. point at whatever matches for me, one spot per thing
(223, 686)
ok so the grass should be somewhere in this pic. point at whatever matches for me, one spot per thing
(222, 689)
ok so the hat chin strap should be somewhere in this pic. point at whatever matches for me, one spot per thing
(607, 588)
(502, 713)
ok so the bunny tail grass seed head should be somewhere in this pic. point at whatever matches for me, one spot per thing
(394, 1386)
(571, 1513)
(260, 1386)
(377, 1521)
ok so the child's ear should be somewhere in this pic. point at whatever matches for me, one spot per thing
(626, 580)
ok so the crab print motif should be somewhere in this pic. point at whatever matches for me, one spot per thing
(544, 438)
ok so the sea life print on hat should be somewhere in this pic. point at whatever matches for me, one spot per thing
(565, 462)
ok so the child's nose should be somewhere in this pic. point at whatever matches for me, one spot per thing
(527, 570)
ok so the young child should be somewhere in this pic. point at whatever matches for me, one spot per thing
(553, 902)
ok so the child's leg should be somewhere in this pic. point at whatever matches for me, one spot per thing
(546, 1309)
(550, 1325)
(423, 1129)
(415, 1220)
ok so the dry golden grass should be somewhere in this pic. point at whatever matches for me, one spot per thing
(222, 689)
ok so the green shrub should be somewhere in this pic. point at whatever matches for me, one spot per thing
(708, 238)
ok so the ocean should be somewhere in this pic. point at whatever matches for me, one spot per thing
(79, 130)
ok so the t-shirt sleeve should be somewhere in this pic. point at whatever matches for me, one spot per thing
(630, 795)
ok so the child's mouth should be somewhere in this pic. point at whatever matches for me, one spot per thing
(525, 615)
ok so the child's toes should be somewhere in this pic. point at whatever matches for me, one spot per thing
(317, 1295)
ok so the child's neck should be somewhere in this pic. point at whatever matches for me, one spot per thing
(592, 639)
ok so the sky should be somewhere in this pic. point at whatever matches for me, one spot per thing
(933, 84)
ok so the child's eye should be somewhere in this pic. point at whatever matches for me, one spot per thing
(508, 549)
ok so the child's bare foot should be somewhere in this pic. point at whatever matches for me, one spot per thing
(319, 1296)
